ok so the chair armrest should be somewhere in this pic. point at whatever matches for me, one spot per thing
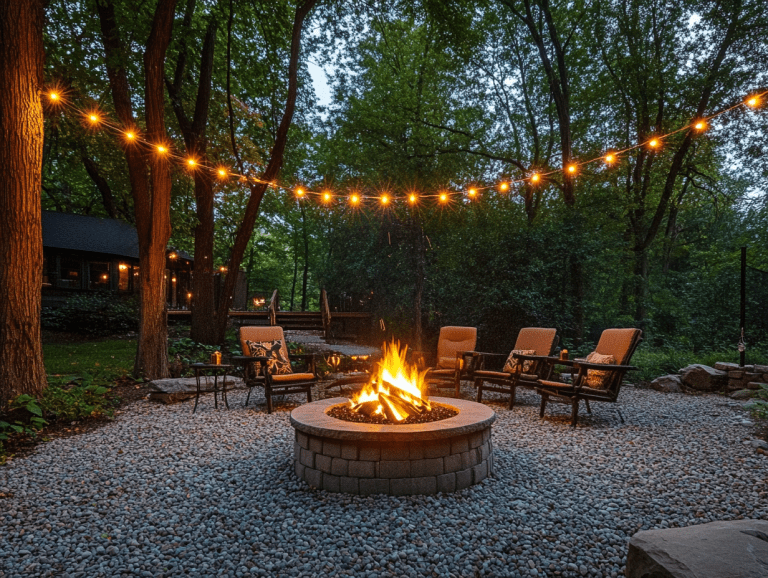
(545, 358)
(605, 366)
(246, 359)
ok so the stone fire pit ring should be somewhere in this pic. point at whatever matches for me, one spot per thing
(400, 460)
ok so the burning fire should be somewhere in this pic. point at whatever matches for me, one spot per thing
(397, 391)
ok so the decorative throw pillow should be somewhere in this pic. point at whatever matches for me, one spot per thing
(595, 377)
(278, 363)
(512, 364)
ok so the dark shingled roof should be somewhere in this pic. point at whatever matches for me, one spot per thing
(81, 233)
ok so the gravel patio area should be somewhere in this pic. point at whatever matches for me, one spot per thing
(162, 492)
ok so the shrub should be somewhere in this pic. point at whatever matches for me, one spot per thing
(78, 401)
(93, 314)
(759, 406)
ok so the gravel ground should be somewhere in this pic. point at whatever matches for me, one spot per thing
(162, 492)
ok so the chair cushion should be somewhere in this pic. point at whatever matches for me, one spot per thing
(278, 364)
(540, 339)
(513, 365)
(293, 377)
(596, 378)
(452, 341)
(619, 343)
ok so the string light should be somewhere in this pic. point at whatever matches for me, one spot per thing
(94, 118)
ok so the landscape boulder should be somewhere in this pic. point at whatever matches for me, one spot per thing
(703, 378)
(733, 549)
(667, 384)
(177, 389)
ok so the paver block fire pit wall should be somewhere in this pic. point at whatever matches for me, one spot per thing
(400, 460)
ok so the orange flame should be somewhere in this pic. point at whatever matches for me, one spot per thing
(397, 390)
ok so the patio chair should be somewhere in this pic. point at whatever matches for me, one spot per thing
(596, 378)
(525, 365)
(450, 367)
(266, 362)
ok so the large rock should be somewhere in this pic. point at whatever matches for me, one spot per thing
(667, 384)
(177, 389)
(736, 549)
(725, 366)
(703, 378)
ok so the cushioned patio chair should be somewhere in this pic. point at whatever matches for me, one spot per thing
(266, 362)
(525, 365)
(450, 366)
(596, 378)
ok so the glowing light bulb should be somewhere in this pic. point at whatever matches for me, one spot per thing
(504, 187)
(222, 173)
(753, 101)
(191, 162)
(610, 158)
(130, 136)
(472, 193)
(53, 96)
(412, 198)
(161, 149)
(571, 169)
(94, 118)
(384, 200)
(299, 192)
(535, 178)
(327, 197)
(354, 199)
(700, 125)
(653, 143)
(443, 197)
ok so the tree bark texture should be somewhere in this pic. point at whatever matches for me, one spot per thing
(151, 189)
(21, 241)
(203, 326)
(245, 230)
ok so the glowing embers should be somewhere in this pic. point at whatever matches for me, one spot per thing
(397, 391)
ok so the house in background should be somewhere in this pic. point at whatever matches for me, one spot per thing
(85, 254)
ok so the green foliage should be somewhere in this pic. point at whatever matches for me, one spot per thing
(93, 314)
(759, 406)
(80, 399)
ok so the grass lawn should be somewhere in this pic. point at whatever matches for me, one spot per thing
(106, 360)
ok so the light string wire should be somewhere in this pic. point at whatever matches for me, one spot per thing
(97, 119)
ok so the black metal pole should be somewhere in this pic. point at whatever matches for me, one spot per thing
(743, 311)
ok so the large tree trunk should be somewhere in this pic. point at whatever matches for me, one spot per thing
(151, 190)
(21, 240)
(305, 272)
(203, 326)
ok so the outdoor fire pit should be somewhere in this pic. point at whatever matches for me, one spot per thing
(394, 457)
